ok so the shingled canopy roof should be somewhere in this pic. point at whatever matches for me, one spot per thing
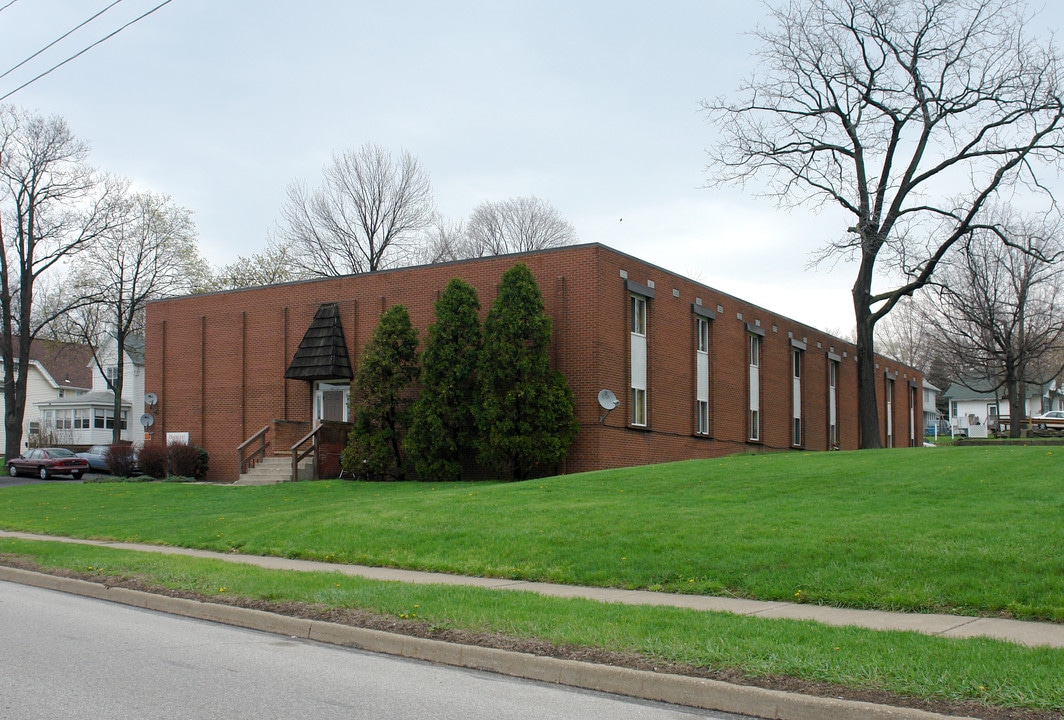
(322, 355)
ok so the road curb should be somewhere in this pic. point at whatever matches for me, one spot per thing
(676, 689)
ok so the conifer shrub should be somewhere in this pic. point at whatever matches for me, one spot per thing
(381, 398)
(526, 416)
(442, 438)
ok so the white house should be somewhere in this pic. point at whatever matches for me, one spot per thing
(970, 410)
(56, 371)
(931, 413)
(89, 418)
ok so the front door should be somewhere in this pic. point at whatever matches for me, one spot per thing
(331, 402)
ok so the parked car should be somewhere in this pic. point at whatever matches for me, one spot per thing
(1052, 419)
(97, 457)
(46, 462)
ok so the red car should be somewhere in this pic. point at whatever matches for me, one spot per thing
(46, 462)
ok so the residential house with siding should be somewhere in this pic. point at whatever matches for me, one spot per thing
(88, 418)
(976, 405)
(56, 371)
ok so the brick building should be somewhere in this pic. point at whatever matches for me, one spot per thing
(698, 373)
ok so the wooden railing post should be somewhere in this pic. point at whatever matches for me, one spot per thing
(298, 454)
(259, 442)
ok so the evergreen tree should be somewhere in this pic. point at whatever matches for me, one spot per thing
(381, 397)
(526, 415)
(442, 431)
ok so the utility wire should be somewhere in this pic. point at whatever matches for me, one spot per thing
(59, 39)
(83, 51)
(5, 7)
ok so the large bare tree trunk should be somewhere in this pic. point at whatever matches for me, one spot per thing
(867, 407)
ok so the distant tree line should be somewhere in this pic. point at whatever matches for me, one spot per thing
(478, 398)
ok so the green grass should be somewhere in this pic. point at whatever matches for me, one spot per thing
(963, 530)
(950, 670)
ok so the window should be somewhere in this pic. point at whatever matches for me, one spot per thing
(638, 365)
(106, 419)
(755, 387)
(833, 404)
(889, 393)
(35, 428)
(81, 420)
(639, 315)
(62, 420)
(912, 416)
(701, 376)
(796, 396)
(953, 408)
(991, 410)
(639, 406)
(112, 373)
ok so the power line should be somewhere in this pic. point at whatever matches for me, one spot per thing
(85, 50)
(5, 7)
(59, 39)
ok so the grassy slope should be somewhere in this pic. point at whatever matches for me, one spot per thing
(951, 529)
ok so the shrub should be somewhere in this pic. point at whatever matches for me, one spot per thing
(121, 459)
(153, 460)
(187, 461)
(381, 396)
(442, 429)
(526, 416)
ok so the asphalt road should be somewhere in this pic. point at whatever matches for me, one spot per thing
(7, 481)
(64, 656)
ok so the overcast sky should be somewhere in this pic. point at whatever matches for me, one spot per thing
(592, 106)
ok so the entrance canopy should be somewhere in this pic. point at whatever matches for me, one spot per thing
(322, 354)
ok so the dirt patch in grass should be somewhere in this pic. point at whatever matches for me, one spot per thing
(635, 661)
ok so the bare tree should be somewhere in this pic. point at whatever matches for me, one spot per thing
(443, 241)
(1000, 313)
(367, 215)
(905, 333)
(911, 116)
(52, 207)
(275, 264)
(520, 224)
(151, 254)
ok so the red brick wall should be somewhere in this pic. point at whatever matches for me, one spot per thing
(217, 361)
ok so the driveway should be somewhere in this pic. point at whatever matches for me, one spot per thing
(7, 481)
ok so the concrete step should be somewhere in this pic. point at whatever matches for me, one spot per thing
(273, 470)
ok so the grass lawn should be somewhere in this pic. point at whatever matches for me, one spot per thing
(971, 676)
(957, 529)
(962, 530)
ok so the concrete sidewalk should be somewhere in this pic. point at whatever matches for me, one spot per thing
(1033, 634)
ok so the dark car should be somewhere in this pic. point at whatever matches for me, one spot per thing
(46, 462)
(97, 457)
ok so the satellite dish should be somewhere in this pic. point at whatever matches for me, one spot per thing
(607, 401)
(151, 399)
(147, 420)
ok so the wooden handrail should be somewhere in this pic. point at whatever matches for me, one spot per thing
(258, 453)
(298, 454)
